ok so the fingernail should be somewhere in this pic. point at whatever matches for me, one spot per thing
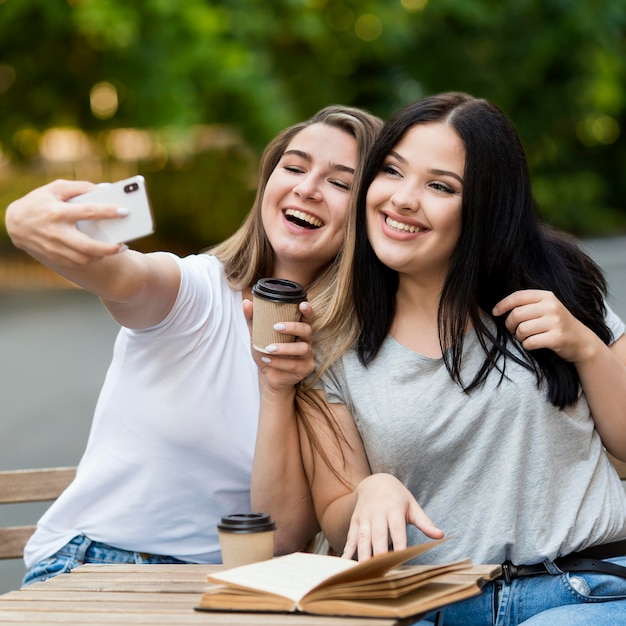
(280, 326)
(271, 348)
(304, 306)
(122, 211)
(123, 247)
(266, 359)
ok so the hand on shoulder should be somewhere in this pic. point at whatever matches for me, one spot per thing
(538, 319)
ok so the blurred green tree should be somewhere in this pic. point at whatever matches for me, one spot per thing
(557, 67)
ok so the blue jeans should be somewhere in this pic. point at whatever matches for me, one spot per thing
(566, 599)
(82, 550)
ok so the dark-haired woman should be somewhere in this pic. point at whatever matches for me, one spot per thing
(479, 381)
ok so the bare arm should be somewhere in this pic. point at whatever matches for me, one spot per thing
(360, 512)
(138, 289)
(279, 485)
(539, 320)
(603, 378)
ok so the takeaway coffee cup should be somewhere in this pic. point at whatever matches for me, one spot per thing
(246, 538)
(275, 300)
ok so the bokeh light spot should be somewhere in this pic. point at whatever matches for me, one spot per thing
(368, 27)
(413, 5)
(599, 129)
(132, 144)
(104, 101)
(65, 144)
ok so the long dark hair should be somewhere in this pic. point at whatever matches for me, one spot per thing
(503, 247)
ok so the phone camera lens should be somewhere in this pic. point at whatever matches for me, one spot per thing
(131, 187)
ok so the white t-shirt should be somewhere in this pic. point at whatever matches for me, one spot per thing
(172, 440)
(509, 473)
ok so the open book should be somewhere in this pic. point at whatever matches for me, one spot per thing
(330, 585)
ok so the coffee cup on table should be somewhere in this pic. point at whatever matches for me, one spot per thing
(246, 538)
(275, 300)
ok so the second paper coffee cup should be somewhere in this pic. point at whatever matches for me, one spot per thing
(246, 538)
(275, 300)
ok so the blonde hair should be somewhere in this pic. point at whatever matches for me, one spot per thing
(247, 255)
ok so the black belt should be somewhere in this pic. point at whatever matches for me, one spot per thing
(588, 560)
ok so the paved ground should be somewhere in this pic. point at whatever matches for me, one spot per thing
(55, 348)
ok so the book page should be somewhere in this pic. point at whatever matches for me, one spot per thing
(291, 576)
(393, 585)
(429, 597)
(381, 563)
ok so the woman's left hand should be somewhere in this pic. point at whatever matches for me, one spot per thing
(538, 319)
(383, 508)
(287, 363)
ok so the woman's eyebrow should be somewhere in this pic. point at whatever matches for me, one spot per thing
(304, 155)
(402, 160)
(446, 173)
(307, 157)
(343, 168)
(397, 156)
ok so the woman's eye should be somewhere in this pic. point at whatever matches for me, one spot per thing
(294, 169)
(341, 184)
(442, 188)
(390, 169)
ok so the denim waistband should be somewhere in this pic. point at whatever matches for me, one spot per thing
(85, 550)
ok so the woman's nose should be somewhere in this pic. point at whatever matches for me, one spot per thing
(406, 197)
(309, 188)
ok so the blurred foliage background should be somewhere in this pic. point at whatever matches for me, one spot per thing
(188, 93)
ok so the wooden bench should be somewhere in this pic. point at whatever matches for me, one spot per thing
(31, 485)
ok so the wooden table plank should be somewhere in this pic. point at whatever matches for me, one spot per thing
(35, 618)
(86, 616)
(27, 595)
(159, 595)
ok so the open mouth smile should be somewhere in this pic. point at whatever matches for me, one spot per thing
(304, 220)
(405, 228)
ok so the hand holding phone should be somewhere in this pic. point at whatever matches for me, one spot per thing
(131, 194)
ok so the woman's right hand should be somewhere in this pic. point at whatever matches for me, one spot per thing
(384, 507)
(289, 362)
(43, 224)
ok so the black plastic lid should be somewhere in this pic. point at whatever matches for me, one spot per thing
(279, 290)
(246, 523)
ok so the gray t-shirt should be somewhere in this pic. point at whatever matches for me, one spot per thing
(502, 468)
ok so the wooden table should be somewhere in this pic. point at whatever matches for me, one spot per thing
(95, 595)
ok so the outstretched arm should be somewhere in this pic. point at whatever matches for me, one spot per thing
(138, 289)
(360, 512)
(539, 320)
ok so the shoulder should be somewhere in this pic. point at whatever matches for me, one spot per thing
(204, 293)
(202, 268)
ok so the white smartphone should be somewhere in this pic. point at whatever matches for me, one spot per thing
(131, 194)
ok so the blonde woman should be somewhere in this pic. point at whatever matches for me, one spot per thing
(173, 435)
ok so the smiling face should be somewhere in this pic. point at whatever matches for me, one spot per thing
(306, 201)
(414, 202)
